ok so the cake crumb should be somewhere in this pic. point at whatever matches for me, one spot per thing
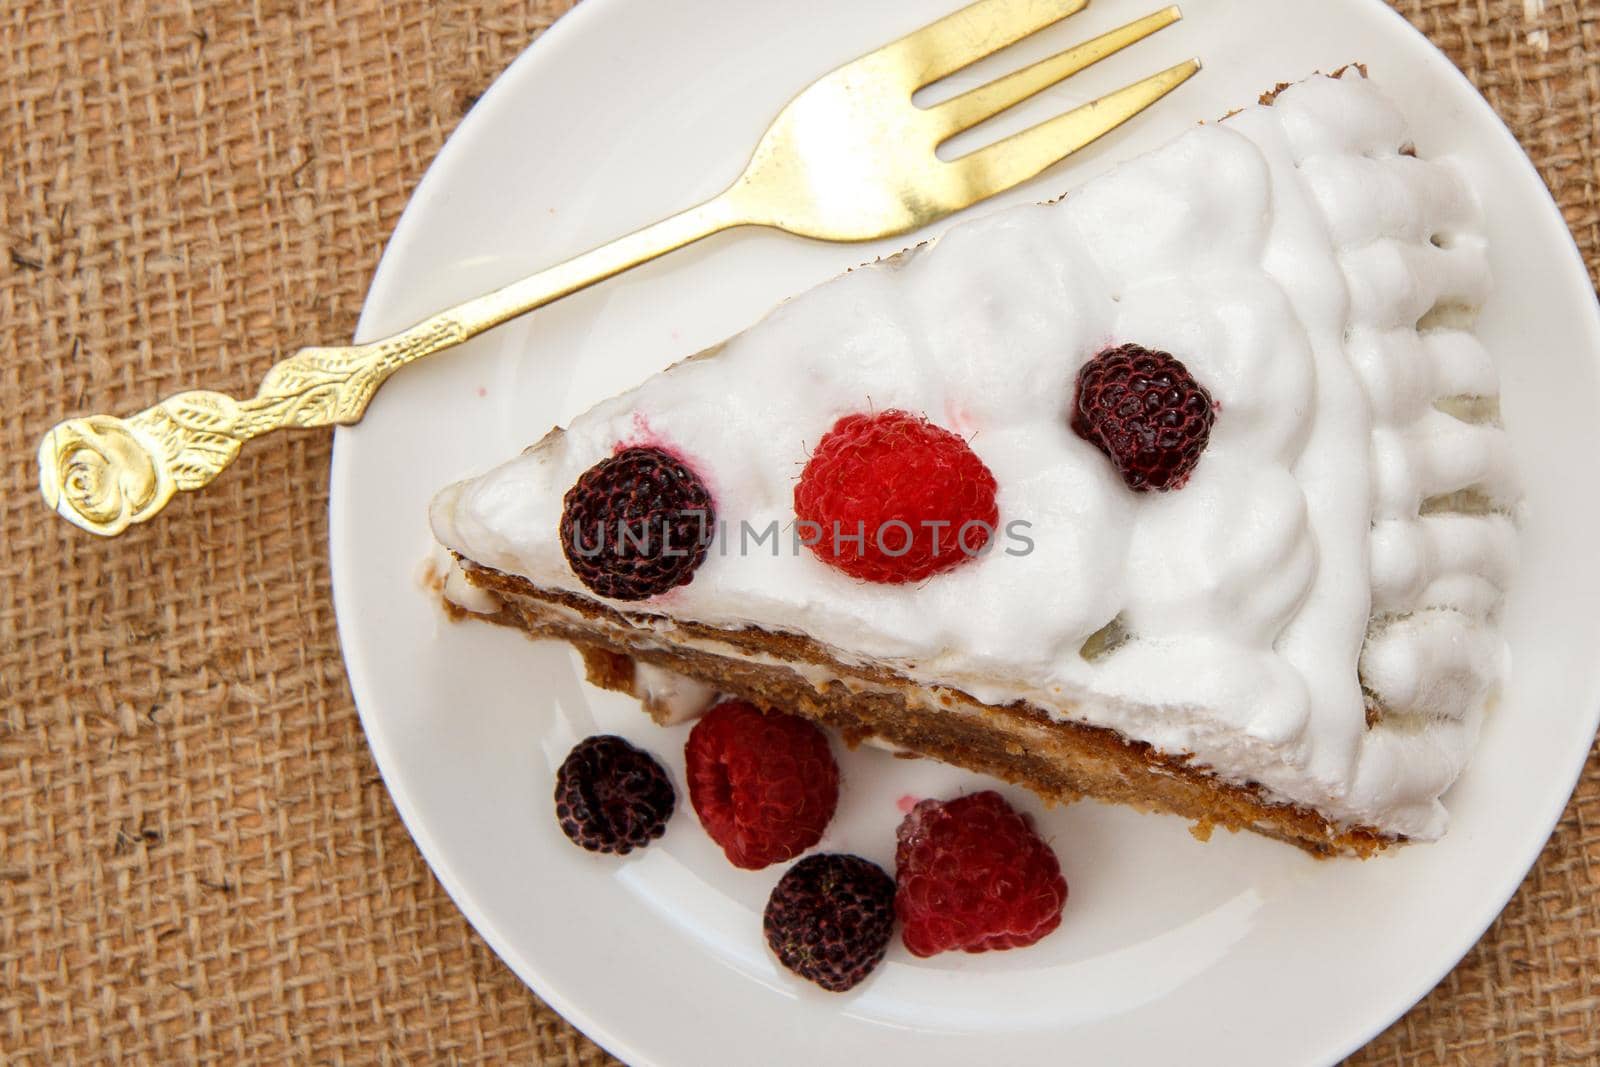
(606, 669)
(1201, 830)
(430, 576)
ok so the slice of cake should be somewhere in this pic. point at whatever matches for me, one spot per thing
(1186, 491)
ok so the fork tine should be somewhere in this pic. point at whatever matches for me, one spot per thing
(998, 167)
(966, 36)
(987, 101)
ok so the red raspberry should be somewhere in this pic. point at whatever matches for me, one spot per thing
(971, 874)
(636, 524)
(893, 498)
(763, 783)
(1146, 412)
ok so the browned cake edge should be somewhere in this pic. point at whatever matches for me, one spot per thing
(1017, 742)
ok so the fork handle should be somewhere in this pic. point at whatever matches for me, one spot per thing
(105, 473)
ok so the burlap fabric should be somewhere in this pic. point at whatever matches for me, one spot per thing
(198, 861)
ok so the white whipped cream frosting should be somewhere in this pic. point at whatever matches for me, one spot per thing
(1287, 256)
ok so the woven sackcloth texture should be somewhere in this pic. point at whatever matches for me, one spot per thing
(198, 861)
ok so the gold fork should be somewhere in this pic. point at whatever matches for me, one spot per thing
(849, 159)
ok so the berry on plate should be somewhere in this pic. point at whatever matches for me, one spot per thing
(829, 919)
(636, 524)
(890, 497)
(1146, 412)
(611, 796)
(971, 874)
(763, 783)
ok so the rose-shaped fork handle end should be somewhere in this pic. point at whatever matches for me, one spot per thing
(103, 474)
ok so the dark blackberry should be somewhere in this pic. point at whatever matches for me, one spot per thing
(1146, 412)
(829, 919)
(611, 796)
(636, 524)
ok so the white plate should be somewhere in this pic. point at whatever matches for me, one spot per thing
(1237, 951)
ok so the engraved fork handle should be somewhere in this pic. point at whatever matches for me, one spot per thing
(105, 473)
